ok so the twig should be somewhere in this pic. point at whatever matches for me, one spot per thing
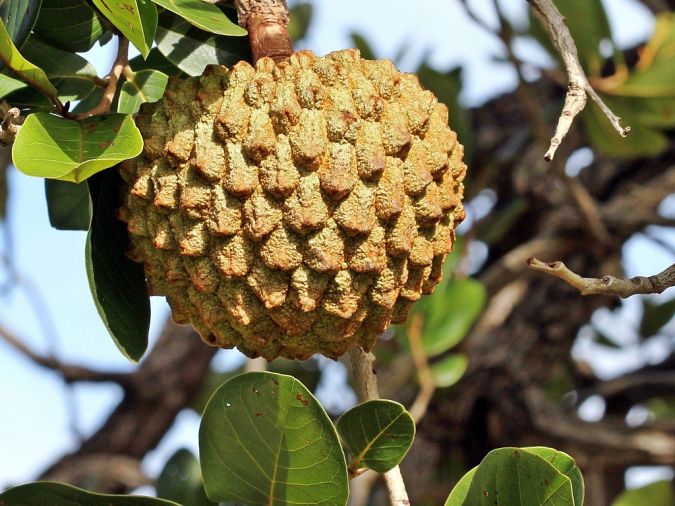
(578, 88)
(426, 380)
(365, 384)
(70, 373)
(608, 285)
(267, 25)
(11, 123)
(121, 60)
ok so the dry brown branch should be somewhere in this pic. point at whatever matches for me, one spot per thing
(607, 285)
(69, 372)
(121, 61)
(11, 123)
(578, 88)
(365, 384)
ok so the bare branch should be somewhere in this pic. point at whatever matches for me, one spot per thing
(69, 372)
(578, 88)
(365, 384)
(121, 61)
(608, 285)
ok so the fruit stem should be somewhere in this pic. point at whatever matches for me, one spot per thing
(267, 25)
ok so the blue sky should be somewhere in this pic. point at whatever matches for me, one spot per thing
(34, 428)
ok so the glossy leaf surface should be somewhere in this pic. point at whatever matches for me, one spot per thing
(53, 147)
(265, 440)
(377, 433)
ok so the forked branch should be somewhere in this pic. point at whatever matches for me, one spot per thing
(578, 88)
(607, 285)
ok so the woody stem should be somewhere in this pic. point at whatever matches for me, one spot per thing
(267, 25)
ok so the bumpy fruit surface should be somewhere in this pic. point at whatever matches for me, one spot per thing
(294, 208)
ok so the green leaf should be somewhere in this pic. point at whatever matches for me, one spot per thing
(378, 434)
(73, 76)
(517, 476)
(181, 480)
(265, 440)
(566, 465)
(641, 142)
(656, 316)
(461, 490)
(300, 17)
(9, 84)
(360, 43)
(203, 15)
(191, 49)
(659, 493)
(68, 205)
(451, 314)
(136, 19)
(117, 284)
(69, 24)
(57, 148)
(47, 493)
(19, 17)
(143, 86)
(24, 69)
(449, 371)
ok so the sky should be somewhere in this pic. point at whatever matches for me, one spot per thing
(34, 428)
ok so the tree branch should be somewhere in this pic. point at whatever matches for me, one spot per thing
(70, 373)
(578, 88)
(365, 384)
(121, 61)
(608, 285)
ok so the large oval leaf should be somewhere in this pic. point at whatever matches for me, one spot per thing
(47, 493)
(136, 19)
(265, 440)
(517, 476)
(32, 74)
(140, 87)
(377, 434)
(69, 24)
(203, 15)
(117, 284)
(191, 49)
(19, 16)
(53, 147)
(68, 205)
(181, 480)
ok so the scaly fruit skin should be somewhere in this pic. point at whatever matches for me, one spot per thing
(294, 208)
